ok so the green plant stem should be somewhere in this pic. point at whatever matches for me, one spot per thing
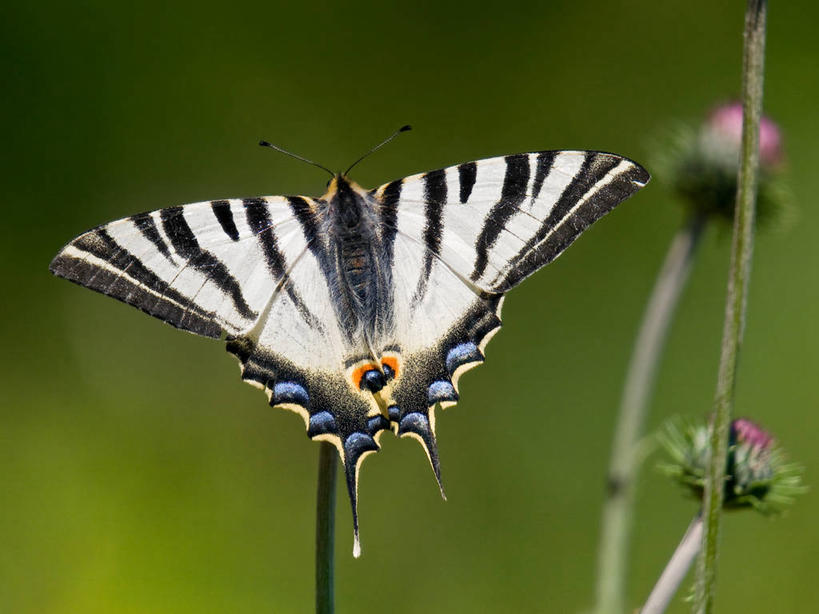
(325, 527)
(674, 572)
(617, 517)
(738, 278)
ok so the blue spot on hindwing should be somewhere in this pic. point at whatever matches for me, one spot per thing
(394, 412)
(290, 392)
(321, 423)
(377, 424)
(357, 444)
(442, 390)
(462, 354)
(373, 380)
(414, 423)
(388, 372)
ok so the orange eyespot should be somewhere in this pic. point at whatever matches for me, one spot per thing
(358, 374)
(392, 363)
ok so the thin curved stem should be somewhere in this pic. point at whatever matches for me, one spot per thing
(640, 377)
(325, 527)
(674, 572)
(737, 297)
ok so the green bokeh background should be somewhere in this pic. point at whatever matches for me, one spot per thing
(139, 474)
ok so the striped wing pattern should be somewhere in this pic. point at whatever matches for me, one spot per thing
(463, 237)
(248, 270)
(263, 273)
(201, 267)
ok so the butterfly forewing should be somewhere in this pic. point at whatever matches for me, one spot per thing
(506, 217)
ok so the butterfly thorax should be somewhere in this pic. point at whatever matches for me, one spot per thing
(362, 292)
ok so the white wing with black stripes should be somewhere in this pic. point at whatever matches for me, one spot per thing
(358, 310)
(463, 237)
(255, 271)
(204, 267)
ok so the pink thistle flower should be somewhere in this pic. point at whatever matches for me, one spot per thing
(757, 475)
(750, 433)
(724, 126)
(702, 165)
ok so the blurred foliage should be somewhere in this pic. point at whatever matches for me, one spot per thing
(138, 474)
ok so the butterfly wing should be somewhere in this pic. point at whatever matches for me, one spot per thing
(203, 267)
(463, 237)
(248, 270)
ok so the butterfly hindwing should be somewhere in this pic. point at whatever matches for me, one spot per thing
(303, 354)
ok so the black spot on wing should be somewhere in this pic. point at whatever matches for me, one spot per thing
(221, 209)
(467, 173)
(513, 193)
(184, 242)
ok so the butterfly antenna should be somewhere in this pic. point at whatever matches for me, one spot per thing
(380, 145)
(297, 157)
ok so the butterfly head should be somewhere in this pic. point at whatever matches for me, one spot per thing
(346, 197)
(341, 186)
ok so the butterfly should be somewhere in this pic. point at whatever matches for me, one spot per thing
(360, 309)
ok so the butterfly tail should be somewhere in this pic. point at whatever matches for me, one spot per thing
(421, 426)
(356, 447)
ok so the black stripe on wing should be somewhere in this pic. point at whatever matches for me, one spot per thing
(571, 214)
(389, 219)
(130, 281)
(146, 225)
(435, 195)
(467, 173)
(260, 222)
(184, 242)
(545, 159)
(513, 193)
(221, 209)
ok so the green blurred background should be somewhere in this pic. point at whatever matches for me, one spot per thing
(139, 474)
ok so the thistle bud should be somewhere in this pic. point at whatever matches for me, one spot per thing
(757, 475)
(701, 166)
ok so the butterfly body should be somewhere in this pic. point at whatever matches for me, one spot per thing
(358, 310)
(362, 280)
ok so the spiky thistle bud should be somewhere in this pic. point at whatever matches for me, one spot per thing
(757, 475)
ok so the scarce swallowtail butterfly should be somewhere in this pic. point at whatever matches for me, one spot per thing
(360, 309)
